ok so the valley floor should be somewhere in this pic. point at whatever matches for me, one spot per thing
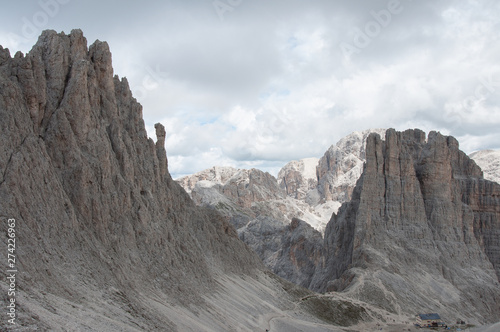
(240, 304)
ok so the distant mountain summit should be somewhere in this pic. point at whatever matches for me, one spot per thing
(299, 177)
(489, 161)
(311, 188)
(342, 165)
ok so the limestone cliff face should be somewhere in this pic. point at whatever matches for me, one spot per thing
(298, 178)
(420, 206)
(420, 233)
(341, 166)
(250, 186)
(242, 186)
(95, 206)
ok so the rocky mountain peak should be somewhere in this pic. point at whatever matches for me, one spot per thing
(298, 177)
(341, 166)
(108, 241)
(217, 175)
(104, 235)
(416, 228)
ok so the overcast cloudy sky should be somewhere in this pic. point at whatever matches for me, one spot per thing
(257, 83)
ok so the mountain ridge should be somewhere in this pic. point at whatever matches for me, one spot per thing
(296, 254)
(334, 176)
(416, 219)
(107, 240)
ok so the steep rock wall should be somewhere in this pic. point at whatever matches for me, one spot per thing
(420, 233)
(96, 210)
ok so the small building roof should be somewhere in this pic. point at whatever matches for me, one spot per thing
(433, 316)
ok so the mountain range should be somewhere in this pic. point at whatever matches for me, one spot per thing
(106, 240)
(286, 225)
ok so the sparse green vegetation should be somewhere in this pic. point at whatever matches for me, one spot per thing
(223, 206)
(326, 308)
(333, 311)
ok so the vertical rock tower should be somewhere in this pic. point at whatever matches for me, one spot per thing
(422, 231)
(100, 222)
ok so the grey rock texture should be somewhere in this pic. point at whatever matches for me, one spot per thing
(106, 240)
(301, 252)
(262, 207)
(299, 177)
(242, 186)
(90, 192)
(310, 189)
(248, 187)
(342, 165)
(421, 233)
(260, 210)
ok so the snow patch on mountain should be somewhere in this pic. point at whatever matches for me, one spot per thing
(309, 167)
(489, 161)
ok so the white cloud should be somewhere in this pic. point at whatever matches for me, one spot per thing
(270, 83)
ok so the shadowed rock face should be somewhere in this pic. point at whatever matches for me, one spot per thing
(300, 253)
(421, 231)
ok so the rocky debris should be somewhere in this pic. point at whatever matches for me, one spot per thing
(421, 232)
(489, 161)
(105, 239)
(90, 192)
(418, 232)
